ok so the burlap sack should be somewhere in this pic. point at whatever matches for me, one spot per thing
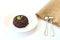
(51, 9)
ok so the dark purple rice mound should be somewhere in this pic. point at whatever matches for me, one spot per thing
(20, 21)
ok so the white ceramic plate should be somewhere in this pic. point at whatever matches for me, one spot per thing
(31, 18)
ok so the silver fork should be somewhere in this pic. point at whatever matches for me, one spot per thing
(51, 29)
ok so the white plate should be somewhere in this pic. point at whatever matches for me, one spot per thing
(31, 18)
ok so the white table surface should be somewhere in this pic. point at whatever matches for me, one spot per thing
(31, 6)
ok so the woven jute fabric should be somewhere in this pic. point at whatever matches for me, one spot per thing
(51, 9)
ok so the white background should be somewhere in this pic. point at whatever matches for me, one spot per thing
(30, 6)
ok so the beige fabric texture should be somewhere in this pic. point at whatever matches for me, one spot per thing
(51, 9)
